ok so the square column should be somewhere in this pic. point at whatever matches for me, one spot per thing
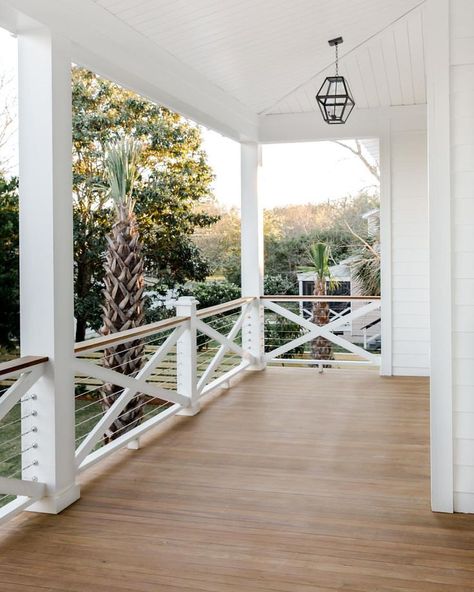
(437, 38)
(46, 257)
(252, 251)
(457, 145)
(186, 356)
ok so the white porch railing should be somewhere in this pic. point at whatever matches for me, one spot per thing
(180, 360)
(183, 359)
(288, 334)
(19, 487)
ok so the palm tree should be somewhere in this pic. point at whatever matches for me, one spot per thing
(124, 282)
(365, 263)
(319, 256)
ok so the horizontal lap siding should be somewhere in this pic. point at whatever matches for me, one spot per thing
(462, 191)
(410, 254)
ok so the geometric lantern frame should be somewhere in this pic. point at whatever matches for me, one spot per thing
(334, 98)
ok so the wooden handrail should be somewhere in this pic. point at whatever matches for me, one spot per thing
(21, 364)
(124, 336)
(139, 332)
(311, 298)
(221, 308)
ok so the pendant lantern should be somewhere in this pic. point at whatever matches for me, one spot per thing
(334, 97)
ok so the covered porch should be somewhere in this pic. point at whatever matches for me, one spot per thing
(290, 479)
(242, 475)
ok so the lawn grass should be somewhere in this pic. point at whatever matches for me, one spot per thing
(10, 437)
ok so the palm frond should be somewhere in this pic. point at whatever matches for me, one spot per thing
(122, 171)
(365, 265)
(319, 255)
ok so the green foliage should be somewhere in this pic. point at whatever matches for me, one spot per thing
(176, 180)
(167, 221)
(213, 293)
(288, 232)
(280, 331)
(365, 265)
(121, 171)
(280, 284)
(319, 256)
(9, 264)
(333, 215)
(288, 255)
(208, 293)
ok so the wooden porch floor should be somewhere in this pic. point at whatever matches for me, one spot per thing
(290, 481)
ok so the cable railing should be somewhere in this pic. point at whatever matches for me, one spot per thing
(19, 486)
(130, 382)
(157, 371)
(305, 330)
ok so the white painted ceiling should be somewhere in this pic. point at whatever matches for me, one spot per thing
(272, 55)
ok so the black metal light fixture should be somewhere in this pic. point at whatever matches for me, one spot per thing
(334, 97)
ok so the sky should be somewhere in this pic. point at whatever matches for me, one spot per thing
(291, 173)
(309, 172)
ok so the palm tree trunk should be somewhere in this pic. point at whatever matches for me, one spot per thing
(321, 348)
(123, 309)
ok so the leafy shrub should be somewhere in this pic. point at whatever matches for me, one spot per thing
(212, 293)
(279, 331)
(280, 284)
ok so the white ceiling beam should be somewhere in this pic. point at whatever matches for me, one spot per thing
(363, 123)
(8, 17)
(114, 50)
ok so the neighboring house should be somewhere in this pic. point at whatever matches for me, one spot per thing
(373, 222)
(341, 274)
(365, 330)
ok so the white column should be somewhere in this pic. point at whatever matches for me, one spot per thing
(46, 256)
(252, 251)
(186, 356)
(461, 155)
(386, 249)
(441, 300)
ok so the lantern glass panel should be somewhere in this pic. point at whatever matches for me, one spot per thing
(335, 100)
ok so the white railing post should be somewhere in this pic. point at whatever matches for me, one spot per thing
(186, 356)
(253, 335)
(46, 259)
(252, 253)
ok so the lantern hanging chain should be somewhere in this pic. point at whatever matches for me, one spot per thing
(337, 59)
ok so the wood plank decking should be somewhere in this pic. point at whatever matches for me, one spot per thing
(291, 481)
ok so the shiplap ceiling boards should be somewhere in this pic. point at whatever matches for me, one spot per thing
(272, 55)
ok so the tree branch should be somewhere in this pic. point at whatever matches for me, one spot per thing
(357, 151)
(364, 242)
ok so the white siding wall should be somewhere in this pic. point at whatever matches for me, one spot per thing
(410, 254)
(462, 191)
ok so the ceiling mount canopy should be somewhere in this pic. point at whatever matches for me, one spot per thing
(334, 97)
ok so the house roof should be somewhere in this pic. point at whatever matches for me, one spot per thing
(341, 272)
(370, 213)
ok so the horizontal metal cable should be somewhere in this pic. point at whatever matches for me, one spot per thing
(19, 453)
(6, 425)
(18, 436)
(154, 412)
